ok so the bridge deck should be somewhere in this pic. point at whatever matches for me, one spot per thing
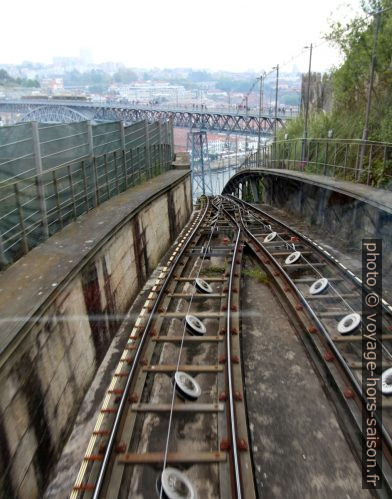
(223, 121)
(28, 284)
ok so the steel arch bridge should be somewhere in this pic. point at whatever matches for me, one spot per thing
(210, 121)
(54, 114)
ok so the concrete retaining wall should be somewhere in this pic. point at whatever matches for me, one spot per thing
(44, 379)
(346, 210)
(346, 217)
(342, 213)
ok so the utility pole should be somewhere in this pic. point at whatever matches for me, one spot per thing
(246, 114)
(236, 152)
(260, 112)
(365, 133)
(303, 152)
(276, 99)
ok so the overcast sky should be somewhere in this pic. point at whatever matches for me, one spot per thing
(211, 34)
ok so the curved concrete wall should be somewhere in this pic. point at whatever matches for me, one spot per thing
(348, 210)
(343, 214)
(60, 308)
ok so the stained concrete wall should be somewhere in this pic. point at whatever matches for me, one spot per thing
(43, 381)
(337, 213)
(345, 218)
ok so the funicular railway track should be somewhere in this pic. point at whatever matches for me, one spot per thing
(173, 420)
(324, 296)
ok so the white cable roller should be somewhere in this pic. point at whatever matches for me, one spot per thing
(386, 382)
(175, 485)
(349, 323)
(194, 325)
(319, 286)
(202, 286)
(270, 237)
(186, 387)
(294, 257)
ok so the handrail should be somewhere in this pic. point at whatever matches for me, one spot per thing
(338, 158)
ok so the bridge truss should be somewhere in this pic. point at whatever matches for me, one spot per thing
(200, 163)
(221, 122)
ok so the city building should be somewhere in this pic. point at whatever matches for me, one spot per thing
(147, 92)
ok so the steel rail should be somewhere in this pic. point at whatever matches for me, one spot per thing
(233, 425)
(130, 378)
(358, 282)
(320, 326)
(291, 246)
(180, 352)
(345, 303)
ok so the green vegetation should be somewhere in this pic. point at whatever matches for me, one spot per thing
(199, 76)
(256, 273)
(125, 75)
(201, 201)
(290, 98)
(350, 81)
(212, 271)
(7, 81)
(97, 79)
(231, 85)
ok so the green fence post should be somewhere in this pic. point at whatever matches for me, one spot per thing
(39, 180)
(147, 148)
(122, 137)
(92, 161)
(25, 245)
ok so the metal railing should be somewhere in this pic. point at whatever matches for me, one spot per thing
(338, 158)
(35, 206)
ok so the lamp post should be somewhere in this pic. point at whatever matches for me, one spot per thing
(303, 152)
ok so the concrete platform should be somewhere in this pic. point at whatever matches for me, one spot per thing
(299, 450)
(26, 286)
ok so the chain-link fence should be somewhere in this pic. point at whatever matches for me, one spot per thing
(51, 174)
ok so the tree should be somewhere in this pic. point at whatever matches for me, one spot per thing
(7, 80)
(5, 77)
(30, 83)
(199, 76)
(125, 75)
(350, 81)
(355, 40)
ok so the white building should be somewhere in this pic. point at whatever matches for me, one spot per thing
(146, 92)
(52, 85)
